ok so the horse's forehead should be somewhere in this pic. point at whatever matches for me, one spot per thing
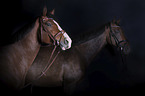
(58, 26)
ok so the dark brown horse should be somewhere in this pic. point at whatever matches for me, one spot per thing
(70, 65)
(17, 57)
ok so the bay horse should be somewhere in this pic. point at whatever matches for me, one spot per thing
(69, 68)
(17, 57)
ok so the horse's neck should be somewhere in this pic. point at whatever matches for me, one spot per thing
(29, 44)
(25, 50)
(16, 58)
(90, 48)
(31, 39)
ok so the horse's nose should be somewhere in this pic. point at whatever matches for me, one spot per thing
(66, 41)
(69, 43)
(126, 50)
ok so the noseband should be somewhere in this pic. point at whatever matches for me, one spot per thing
(118, 43)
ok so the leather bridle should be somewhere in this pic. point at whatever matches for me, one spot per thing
(53, 38)
(120, 44)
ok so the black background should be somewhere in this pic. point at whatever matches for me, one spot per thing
(75, 16)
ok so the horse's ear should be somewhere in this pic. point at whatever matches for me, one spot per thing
(52, 12)
(44, 11)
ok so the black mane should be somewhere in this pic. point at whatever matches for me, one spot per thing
(18, 35)
(26, 29)
(22, 32)
(88, 35)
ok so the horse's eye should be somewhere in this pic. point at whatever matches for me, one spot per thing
(48, 24)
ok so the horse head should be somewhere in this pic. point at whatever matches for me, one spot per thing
(52, 33)
(116, 36)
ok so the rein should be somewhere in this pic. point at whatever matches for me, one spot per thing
(55, 43)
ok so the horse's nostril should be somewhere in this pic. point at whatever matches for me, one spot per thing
(121, 48)
(65, 41)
